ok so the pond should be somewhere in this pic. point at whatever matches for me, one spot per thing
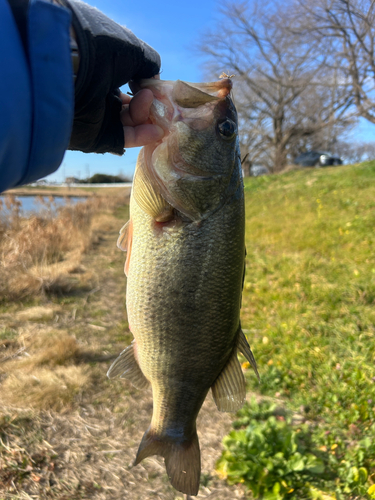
(38, 204)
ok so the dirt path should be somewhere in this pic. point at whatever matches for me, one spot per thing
(85, 450)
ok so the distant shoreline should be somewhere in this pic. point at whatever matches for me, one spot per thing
(66, 191)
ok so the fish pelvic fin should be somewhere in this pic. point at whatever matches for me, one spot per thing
(126, 366)
(182, 459)
(243, 346)
(229, 389)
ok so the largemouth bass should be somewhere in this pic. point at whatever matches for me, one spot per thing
(185, 268)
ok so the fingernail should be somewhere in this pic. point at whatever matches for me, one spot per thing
(159, 131)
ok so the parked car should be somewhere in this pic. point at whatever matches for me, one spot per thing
(317, 159)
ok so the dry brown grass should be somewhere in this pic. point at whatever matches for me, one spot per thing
(44, 388)
(41, 368)
(42, 374)
(53, 349)
(42, 254)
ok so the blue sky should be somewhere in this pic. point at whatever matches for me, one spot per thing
(172, 28)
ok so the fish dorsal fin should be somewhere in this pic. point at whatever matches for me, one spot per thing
(147, 197)
(243, 346)
(190, 97)
(126, 366)
(122, 241)
(229, 389)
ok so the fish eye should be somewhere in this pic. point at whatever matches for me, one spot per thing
(227, 129)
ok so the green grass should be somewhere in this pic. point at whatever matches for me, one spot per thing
(122, 213)
(309, 314)
(7, 334)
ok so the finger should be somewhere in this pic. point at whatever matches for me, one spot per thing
(125, 98)
(142, 135)
(138, 110)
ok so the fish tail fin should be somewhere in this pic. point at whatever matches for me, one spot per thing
(182, 459)
(183, 464)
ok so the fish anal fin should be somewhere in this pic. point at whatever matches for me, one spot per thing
(147, 197)
(229, 389)
(126, 366)
(182, 459)
(243, 346)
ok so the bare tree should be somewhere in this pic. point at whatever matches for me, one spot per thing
(284, 90)
(344, 28)
(356, 152)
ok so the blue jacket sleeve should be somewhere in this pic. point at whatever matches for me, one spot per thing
(36, 93)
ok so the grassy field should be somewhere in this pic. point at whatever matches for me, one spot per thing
(307, 431)
(309, 314)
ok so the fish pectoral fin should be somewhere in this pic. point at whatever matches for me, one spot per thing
(126, 366)
(122, 241)
(229, 389)
(182, 459)
(129, 251)
(147, 197)
(243, 346)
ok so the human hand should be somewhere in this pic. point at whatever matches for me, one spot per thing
(138, 129)
(110, 56)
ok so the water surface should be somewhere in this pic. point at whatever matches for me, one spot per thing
(39, 204)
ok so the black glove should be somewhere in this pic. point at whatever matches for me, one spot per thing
(110, 56)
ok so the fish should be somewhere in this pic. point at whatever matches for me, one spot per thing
(185, 266)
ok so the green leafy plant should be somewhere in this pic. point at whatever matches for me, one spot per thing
(271, 457)
(277, 459)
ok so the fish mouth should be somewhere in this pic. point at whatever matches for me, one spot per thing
(174, 99)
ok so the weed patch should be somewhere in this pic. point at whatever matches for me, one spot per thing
(279, 459)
